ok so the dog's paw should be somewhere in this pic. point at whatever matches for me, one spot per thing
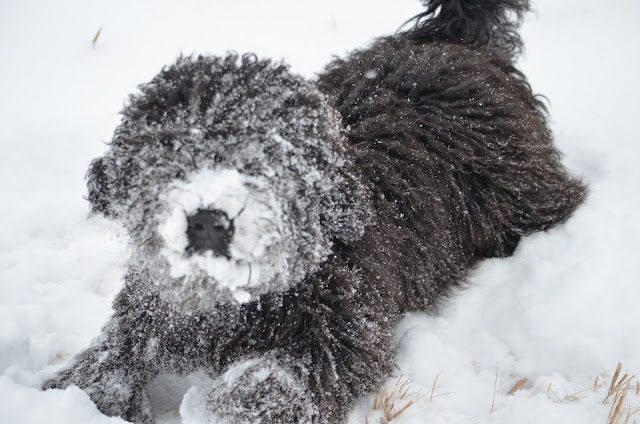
(115, 389)
(257, 391)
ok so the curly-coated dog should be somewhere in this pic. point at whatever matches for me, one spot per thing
(282, 227)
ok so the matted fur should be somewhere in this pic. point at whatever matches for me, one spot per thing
(447, 160)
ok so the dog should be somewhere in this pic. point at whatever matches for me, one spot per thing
(282, 227)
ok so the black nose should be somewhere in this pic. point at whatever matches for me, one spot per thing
(210, 230)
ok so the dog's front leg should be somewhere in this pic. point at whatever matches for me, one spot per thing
(116, 369)
(329, 346)
(110, 374)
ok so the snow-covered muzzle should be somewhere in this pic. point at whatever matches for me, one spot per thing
(260, 243)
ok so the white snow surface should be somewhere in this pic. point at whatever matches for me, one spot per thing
(563, 310)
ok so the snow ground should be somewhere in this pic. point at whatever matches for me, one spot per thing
(561, 311)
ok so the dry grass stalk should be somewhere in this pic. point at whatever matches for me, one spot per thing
(631, 414)
(616, 409)
(95, 39)
(558, 399)
(623, 385)
(386, 400)
(495, 386)
(433, 388)
(578, 395)
(613, 380)
(539, 387)
(618, 389)
(517, 386)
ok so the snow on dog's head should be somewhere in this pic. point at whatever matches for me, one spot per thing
(230, 176)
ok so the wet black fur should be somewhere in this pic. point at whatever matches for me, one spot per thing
(458, 158)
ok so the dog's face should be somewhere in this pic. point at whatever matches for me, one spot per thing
(229, 175)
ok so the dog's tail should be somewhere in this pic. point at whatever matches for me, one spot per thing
(475, 23)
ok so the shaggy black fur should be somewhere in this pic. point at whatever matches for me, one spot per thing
(457, 163)
(476, 23)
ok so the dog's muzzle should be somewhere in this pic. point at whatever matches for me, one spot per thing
(210, 230)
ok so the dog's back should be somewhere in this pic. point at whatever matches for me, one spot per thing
(470, 163)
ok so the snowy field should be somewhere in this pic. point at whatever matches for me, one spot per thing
(561, 312)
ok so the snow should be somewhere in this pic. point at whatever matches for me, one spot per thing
(26, 405)
(561, 311)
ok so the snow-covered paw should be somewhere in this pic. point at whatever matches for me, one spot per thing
(256, 391)
(115, 391)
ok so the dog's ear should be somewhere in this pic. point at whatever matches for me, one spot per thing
(101, 187)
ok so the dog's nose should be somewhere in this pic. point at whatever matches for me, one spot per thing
(210, 230)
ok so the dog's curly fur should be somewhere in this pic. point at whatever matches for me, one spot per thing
(442, 157)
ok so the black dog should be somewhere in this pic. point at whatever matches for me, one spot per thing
(279, 238)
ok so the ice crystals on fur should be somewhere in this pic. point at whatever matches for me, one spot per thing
(243, 136)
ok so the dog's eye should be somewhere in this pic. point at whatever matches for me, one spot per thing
(199, 227)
